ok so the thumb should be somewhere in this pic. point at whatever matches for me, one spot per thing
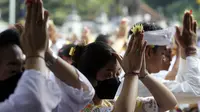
(178, 35)
(178, 32)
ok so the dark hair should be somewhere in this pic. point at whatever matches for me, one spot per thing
(102, 38)
(64, 51)
(147, 26)
(9, 37)
(91, 58)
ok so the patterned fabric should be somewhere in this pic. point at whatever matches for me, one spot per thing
(147, 104)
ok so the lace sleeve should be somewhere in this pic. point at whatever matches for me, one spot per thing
(147, 104)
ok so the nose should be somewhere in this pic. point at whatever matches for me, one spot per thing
(112, 75)
(169, 53)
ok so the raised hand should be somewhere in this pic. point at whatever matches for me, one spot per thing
(143, 71)
(133, 58)
(34, 39)
(123, 28)
(19, 27)
(188, 38)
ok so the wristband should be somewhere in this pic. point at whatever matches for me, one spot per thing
(131, 74)
(190, 51)
(37, 56)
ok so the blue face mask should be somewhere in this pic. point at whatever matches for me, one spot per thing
(107, 89)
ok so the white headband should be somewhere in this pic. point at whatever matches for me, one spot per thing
(159, 37)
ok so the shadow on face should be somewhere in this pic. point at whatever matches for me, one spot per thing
(167, 58)
(11, 61)
(110, 70)
(158, 58)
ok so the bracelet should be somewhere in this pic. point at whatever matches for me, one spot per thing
(37, 56)
(131, 74)
(190, 51)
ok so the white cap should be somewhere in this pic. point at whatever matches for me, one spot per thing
(160, 37)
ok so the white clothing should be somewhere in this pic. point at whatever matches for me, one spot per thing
(186, 86)
(74, 99)
(36, 93)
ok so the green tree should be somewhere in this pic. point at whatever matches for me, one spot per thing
(59, 9)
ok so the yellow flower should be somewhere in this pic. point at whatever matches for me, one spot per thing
(152, 46)
(137, 28)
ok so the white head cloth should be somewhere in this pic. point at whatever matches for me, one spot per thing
(160, 37)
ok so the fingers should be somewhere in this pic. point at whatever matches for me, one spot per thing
(130, 45)
(191, 23)
(28, 1)
(178, 32)
(34, 12)
(134, 47)
(29, 13)
(138, 42)
(143, 62)
(195, 26)
(46, 16)
(178, 35)
(144, 47)
(40, 15)
(186, 22)
(141, 41)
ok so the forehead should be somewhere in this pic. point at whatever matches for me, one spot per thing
(11, 52)
(113, 64)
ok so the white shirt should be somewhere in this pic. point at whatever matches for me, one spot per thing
(74, 100)
(35, 93)
(186, 86)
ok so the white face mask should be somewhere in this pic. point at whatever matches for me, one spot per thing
(159, 37)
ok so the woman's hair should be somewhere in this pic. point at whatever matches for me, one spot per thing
(147, 27)
(102, 38)
(91, 58)
(9, 37)
(65, 50)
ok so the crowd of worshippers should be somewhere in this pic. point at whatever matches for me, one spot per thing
(145, 69)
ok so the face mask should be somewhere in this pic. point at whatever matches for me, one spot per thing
(107, 89)
(8, 86)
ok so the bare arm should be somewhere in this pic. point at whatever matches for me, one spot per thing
(164, 98)
(127, 98)
(172, 74)
(63, 70)
(34, 92)
(132, 64)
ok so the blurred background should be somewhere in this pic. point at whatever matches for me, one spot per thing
(101, 16)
